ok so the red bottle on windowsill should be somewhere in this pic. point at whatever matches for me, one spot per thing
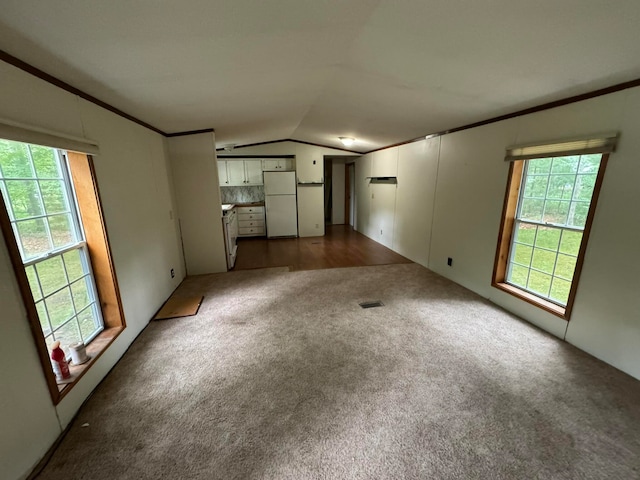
(60, 365)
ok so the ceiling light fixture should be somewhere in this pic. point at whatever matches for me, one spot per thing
(347, 141)
(229, 147)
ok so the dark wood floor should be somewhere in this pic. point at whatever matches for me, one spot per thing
(340, 247)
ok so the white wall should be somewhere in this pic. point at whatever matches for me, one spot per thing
(309, 168)
(467, 207)
(417, 171)
(399, 216)
(195, 173)
(138, 202)
(363, 193)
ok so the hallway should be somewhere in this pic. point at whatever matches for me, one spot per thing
(340, 247)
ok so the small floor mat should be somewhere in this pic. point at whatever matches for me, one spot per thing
(177, 307)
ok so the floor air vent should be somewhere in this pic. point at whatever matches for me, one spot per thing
(375, 303)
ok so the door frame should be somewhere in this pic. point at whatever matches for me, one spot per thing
(347, 192)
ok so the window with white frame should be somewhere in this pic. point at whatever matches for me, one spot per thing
(549, 207)
(551, 215)
(38, 193)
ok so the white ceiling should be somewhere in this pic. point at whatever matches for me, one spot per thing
(383, 71)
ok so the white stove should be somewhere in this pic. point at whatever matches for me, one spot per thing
(230, 223)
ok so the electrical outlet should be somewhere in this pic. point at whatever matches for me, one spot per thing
(173, 273)
(170, 214)
(450, 261)
(317, 225)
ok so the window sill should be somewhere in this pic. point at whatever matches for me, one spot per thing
(94, 350)
(550, 307)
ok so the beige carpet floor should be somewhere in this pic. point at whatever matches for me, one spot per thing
(281, 375)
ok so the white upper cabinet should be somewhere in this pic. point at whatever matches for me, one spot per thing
(385, 163)
(235, 172)
(222, 173)
(240, 172)
(277, 164)
(253, 171)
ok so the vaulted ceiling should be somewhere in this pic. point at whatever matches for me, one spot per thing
(382, 71)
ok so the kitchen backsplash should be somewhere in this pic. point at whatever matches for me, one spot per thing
(242, 194)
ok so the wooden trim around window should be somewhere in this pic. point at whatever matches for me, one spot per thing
(95, 231)
(90, 210)
(505, 234)
(507, 221)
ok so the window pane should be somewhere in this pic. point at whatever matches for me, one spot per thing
(33, 282)
(62, 231)
(539, 165)
(25, 198)
(560, 290)
(578, 214)
(556, 211)
(548, 237)
(14, 160)
(566, 266)
(531, 209)
(74, 265)
(45, 162)
(543, 260)
(522, 254)
(570, 242)
(60, 307)
(525, 233)
(539, 282)
(33, 237)
(584, 187)
(80, 291)
(518, 275)
(536, 186)
(43, 317)
(51, 274)
(565, 164)
(89, 324)
(54, 196)
(5, 197)
(561, 187)
(67, 334)
(589, 163)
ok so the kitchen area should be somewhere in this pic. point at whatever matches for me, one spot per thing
(259, 198)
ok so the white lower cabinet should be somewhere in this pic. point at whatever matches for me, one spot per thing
(251, 221)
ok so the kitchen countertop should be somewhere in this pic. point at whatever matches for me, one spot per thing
(252, 204)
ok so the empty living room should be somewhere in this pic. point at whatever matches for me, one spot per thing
(356, 239)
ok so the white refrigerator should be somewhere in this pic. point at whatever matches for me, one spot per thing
(280, 203)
